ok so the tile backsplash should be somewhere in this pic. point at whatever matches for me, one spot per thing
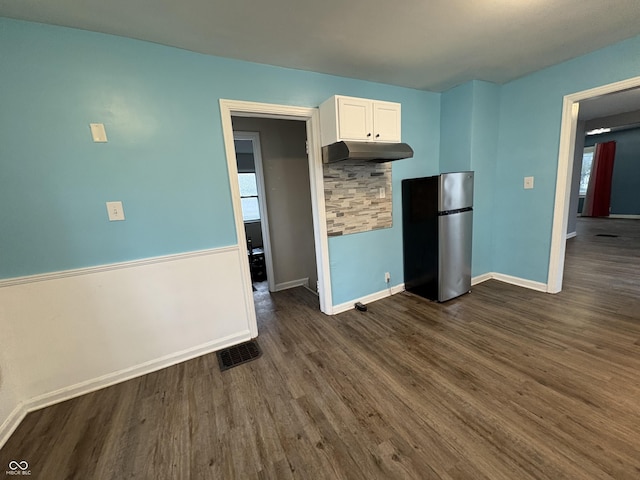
(352, 197)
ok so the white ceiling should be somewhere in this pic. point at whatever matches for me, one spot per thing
(423, 44)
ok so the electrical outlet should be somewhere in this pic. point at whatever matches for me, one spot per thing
(382, 192)
(387, 277)
(528, 183)
(98, 132)
(115, 211)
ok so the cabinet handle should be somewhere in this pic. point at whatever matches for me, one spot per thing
(378, 135)
(368, 134)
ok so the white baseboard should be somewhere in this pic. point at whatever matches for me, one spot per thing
(301, 282)
(145, 368)
(11, 423)
(571, 235)
(481, 278)
(82, 388)
(387, 292)
(520, 282)
(628, 217)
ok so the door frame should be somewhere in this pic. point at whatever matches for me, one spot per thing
(254, 137)
(311, 116)
(568, 126)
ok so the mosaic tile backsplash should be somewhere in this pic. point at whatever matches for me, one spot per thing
(351, 194)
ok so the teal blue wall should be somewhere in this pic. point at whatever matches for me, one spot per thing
(468, 141)
(484, 141)
(165, 157)
(625, 182)
(528, 142)
(455, 134)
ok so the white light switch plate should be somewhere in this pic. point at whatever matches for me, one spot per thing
(528, 183)
(115, 211)
(98, 133)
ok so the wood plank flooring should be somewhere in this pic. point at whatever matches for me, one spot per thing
(504, 383)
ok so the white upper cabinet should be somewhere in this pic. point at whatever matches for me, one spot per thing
(359, 119)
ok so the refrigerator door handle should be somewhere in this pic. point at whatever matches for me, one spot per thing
(453, 212)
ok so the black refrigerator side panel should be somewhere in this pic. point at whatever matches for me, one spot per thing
(420, 236)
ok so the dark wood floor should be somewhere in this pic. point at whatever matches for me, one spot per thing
(504, 383)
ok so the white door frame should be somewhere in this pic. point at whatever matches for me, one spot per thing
(284, 112)
(570, 108)
(254, 138)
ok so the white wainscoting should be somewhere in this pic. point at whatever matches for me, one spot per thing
(70, 333)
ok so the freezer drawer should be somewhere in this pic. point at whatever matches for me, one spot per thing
(454, 256)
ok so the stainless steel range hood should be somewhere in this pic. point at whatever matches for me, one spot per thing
(366, 152)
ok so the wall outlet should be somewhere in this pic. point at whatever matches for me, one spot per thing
(387, 277)
(528, 183)
(98, 133)
(382, 192)
(115, 211)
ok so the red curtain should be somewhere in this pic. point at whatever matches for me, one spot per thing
(597, 202)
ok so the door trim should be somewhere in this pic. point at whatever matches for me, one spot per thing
(568, 126)
(285, 112)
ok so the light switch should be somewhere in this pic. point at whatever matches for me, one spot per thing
(528, 183)
(115, 211)
(98, 132)
(382, 192)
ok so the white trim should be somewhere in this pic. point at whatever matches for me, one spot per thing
(10, 282)
(481, 278)
(88, 386)
(311, 116)
(301, 282)
(12, 422)
(254, 138)
(571, 235)
(626, 217)
(570, 106)
(125, 374)
(387, 292)
(520, 282)
(319, 212)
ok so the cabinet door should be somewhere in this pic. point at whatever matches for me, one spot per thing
(386, 122)
(355, 119)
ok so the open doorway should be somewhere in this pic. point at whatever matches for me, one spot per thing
(275, 193)
(571, 145)
(310, 117)
(254, 209)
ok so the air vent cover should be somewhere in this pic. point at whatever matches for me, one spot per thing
(238, 354)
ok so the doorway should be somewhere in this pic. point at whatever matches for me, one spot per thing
(310, 117)
(562, 209)
(275, 194)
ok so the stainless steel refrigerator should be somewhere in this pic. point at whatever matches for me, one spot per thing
(437, 222)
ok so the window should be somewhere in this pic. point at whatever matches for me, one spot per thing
(249, 196)
(587, 160)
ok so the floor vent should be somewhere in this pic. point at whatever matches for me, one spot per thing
(609, 235)
(238, 354)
